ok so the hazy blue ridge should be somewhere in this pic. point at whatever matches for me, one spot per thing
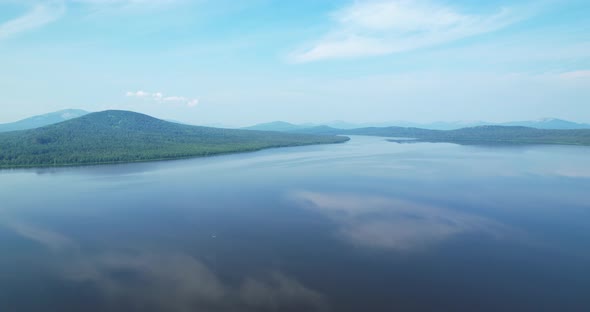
(275, 126)
(42, 120)
(546, 123)
(123, 136)
(549, 123)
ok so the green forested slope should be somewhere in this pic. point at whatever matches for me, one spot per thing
(122, 136)
(474, 135)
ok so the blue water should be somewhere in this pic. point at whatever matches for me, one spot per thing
(369, 225)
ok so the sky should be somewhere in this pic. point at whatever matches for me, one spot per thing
(238, 63)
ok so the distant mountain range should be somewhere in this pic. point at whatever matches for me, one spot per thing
(42, 120)
(546, 123)
(482, 135)
(123, 136)
(277, 126)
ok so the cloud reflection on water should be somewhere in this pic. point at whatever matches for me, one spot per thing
(392, 223)
(168, 281)
(178, 282)
(50, 239)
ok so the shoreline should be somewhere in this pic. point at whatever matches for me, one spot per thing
(213, 154)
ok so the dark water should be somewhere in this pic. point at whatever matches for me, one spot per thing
(368, 225)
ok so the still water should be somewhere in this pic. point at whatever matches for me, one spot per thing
(368, 225)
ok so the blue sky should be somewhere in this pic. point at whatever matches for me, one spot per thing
(242, 62)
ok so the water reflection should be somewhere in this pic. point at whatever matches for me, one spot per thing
(363, 226)
(137, 280)
(394, 223)
(178, 282)
(47, 238)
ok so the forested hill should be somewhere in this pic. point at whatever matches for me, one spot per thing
(473, 135)
(123, 136)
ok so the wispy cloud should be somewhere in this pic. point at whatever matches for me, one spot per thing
(37, 16)
(45, 12)
(125, 4)
(380, 27)
(160, 97)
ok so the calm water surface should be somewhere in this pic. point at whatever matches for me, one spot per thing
(368, 225)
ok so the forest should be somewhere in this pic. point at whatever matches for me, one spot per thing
(123, 136)
(473, 135)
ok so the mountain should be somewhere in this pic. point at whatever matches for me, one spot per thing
(322, 130)
(42, 120)
(275, 126)
(548, 123)
(439, 125)
(122, 136)
(472, 135)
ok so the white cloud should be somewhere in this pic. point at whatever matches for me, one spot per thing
(38, 15)
(137, 93)
(110, 7)
(174, 98)
(388, 26)
(45, 12)
(125, 2)
(161, 97)
(192, 103)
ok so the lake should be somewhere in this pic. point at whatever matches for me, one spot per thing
(368, 225)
